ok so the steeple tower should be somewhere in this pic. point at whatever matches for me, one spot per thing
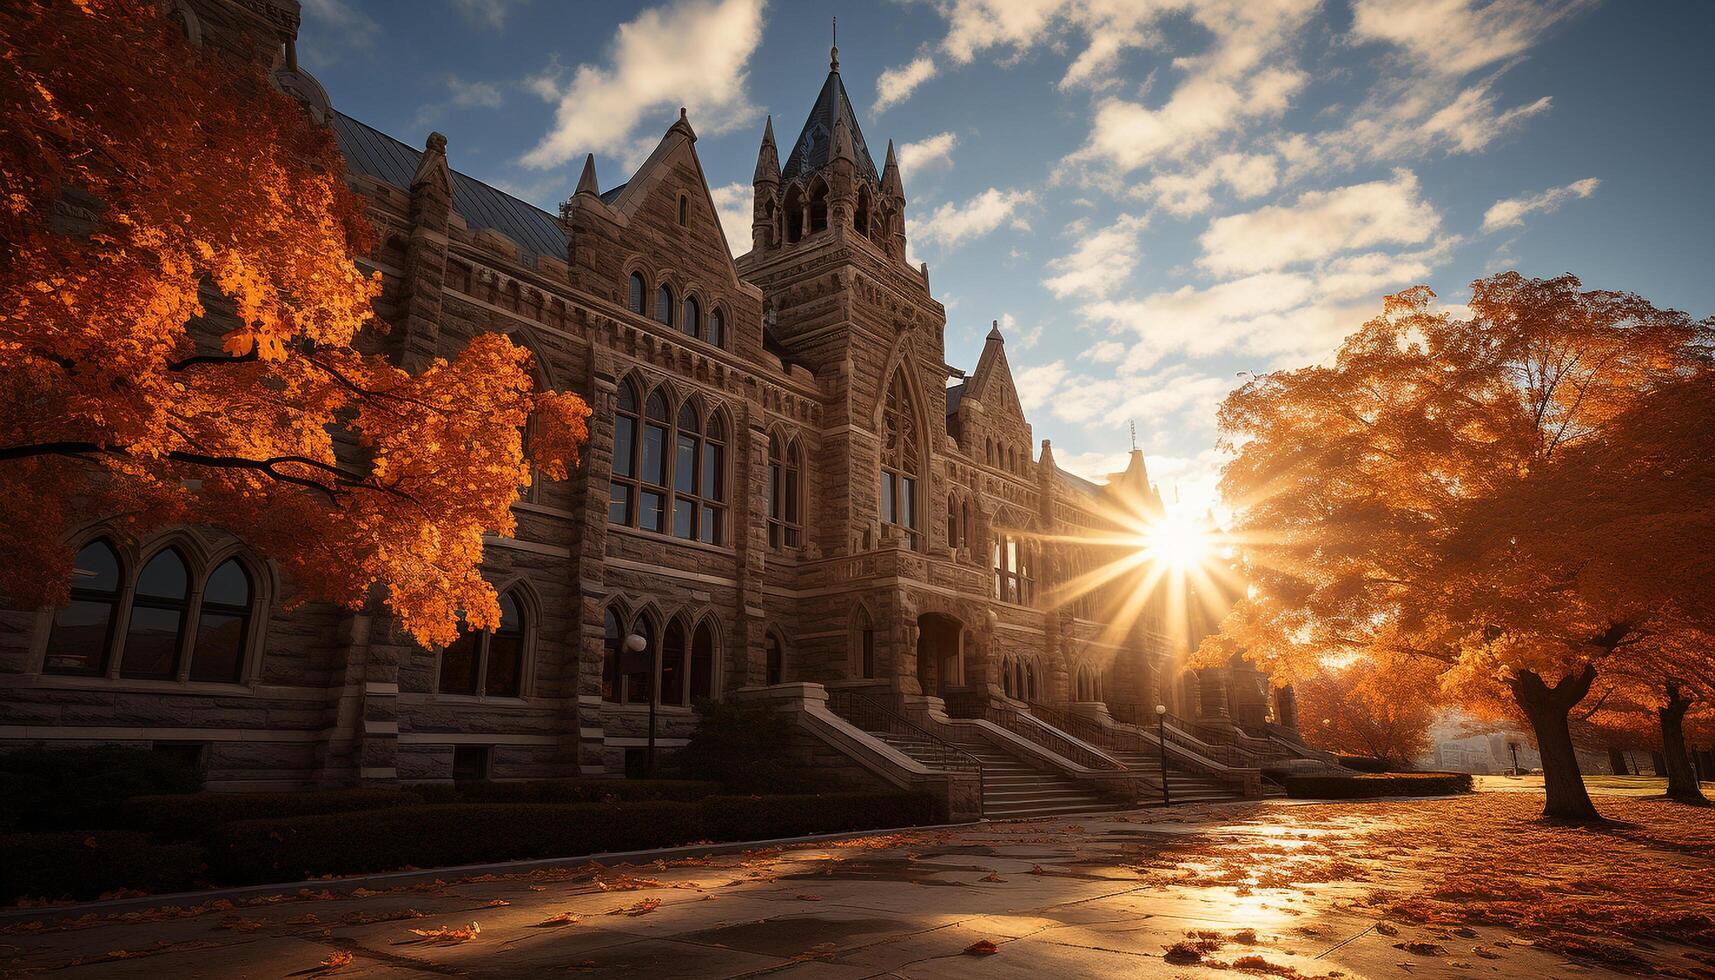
(765, 208)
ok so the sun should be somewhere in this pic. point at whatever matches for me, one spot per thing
(1178, 541)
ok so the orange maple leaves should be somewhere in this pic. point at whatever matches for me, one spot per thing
(185, 336)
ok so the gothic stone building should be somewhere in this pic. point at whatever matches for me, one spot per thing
(783, 497)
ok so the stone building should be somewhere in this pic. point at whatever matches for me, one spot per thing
(788, 497)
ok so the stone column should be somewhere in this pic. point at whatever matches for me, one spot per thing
(747, 664)
(583, 726)
(426, 256)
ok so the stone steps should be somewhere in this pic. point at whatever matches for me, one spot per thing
(1011, 788)
(1182, 787)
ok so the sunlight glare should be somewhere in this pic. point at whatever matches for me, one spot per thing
(1178, 541)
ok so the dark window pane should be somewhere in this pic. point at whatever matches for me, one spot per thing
(653, 511)
(655, 455)
(78, 644)
(887, 513)
(702, 663)
(688, 421)
(458, 664)
(685, 465)
(627, 398)
(775, 663)
(684, 516)
(619, 504)
(635, 299)
(611, 641)
(470, 763)
(505, 665)
(717, 428)
(908, 501)
(868, 640)
(664, 305)
(152, 643)
(673, 665)
(219, 652)
(511, 619)
(656, 407)
(228, 586)
(717, 329)
(774, 484)
(638, 678)
(791, 496)
(791, 537)
(693, 318)
(163, 578)
(96, 569)
(624, 446)
(714, 461)
(710, 529)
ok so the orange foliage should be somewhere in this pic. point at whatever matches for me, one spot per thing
(1361, 708)
(185, 336)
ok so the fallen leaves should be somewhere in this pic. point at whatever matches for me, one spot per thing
(643, 907)
(560, 919)
(339, 959)
(449, 935)
(981, 947)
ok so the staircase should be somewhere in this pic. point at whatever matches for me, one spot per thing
(1014, 790)
(1182, 787)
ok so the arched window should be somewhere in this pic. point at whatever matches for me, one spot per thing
(489, 661)
(692, 321)
(702, 663)
(863, 644)
(684, 209)
(1011, 460)
(639, 288)
(860, 217)
(664, 304)
(1029, 686)
(774, 662)
(83, 630)
(1008, 677)
(784, 489)
(818, 207)
(612, 648)
(677, 468)
(637, 669)
(1013, 558)
(900, 462)
(156, 630)
(952, 522)
(717, 328)
(794, 213)
(223, 625)
(675, 646)
(988, 449)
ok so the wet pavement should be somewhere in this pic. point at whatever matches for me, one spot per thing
(1260, 889)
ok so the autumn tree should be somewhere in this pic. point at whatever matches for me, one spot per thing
(1360, 707)
(186, 337)
(1482, 495)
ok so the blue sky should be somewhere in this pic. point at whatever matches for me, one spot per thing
(1151, 195)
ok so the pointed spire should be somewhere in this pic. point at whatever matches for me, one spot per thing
(767, 158)
(891, 185)
(834, 52)
(994, 331)
(683, 126)
(842, 140)
(586, 181)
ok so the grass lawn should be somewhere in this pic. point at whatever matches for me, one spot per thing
(1597, 785)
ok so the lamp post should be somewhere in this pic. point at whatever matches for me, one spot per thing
(635, 644)
(1514, 747)
(1161, 742)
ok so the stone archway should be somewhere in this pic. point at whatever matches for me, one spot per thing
(940, 653)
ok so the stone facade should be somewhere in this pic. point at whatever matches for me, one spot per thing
(855, 512)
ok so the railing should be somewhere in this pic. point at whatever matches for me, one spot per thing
(873, 714)
(1261, 749)
(1179, 732)
(1039, 732)
(1077, 725)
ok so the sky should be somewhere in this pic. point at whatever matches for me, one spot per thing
(1152, 197)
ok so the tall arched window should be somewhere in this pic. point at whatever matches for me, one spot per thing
(784, 489)
(717, 328)
(638, 290)
(664, 304)
(692, 321)
(652, 474)
(684, 209)
(612, 648)
(637, 670)
(675, 645)
(83, 630)
(489, 661)
(774, 659)
(900, 460)
(622, 491)
(676, 470)
(818, 207)
(702, 662)
(1013, 559)
(952, 522)
(1009, 676)
(863, 639)
(223, 625)
(156, 630)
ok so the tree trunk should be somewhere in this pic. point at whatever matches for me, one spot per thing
(1681, 779)
(1548, 709)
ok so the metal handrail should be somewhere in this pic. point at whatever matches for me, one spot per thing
(1076, 725)
(1041, 733)
(872, 714)
(1180, 733)
(1258, 748)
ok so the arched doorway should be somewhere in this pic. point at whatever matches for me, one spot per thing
(940, 660)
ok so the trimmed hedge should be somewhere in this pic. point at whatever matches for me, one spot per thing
(83, 788)
(287, 849)
(1366, 763)
(765, 817)
(570, 791)
(198, 814)
(1368, 786)
(85, 866)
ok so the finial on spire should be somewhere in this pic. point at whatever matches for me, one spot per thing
(834, 52)
(1134, 435)
(586, 181)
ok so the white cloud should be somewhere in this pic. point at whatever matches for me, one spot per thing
(1177, 393)
(693, 52)
(1035, 384)
(1458, 36)
(926, 154)
(1320, 224)
(952, 223)
(895, 85)
(1189, 191)
(1127, 135)
(733, 206)
(1101, 263)
(1509, 212)
(461, 95)
(488, 13)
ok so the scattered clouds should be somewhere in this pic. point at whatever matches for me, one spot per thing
(332, 28)
(1102, 262)
(955, 223)
(1320, 224)
(692, 52)
(1458, 36)
(485, 13)
(926, 154)
(1176, 393)
(461, 95)
(895, 85)
(1187, 192)
(733, 206)
(1036, 384)
(1510, 212)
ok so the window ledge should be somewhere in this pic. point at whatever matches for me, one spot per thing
(715, 549)
(137, 685)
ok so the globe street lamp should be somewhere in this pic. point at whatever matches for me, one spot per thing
(635, 644)
(1161, 741)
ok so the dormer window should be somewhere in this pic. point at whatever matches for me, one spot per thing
(639, 289)
(717, 328)
(692, 322)
(664, 304)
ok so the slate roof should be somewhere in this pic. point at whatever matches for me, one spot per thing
(370, 152)
(955, 394)
(816, 143)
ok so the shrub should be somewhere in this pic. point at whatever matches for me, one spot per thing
(85, 866)
(1380, 784)
(741, 746)
(449, 834)
(82, 788)
(571, 791)
(196, 814)
(765, 817)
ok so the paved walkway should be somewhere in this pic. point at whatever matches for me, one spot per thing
(1091, 896)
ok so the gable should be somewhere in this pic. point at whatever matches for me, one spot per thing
(650, 203)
